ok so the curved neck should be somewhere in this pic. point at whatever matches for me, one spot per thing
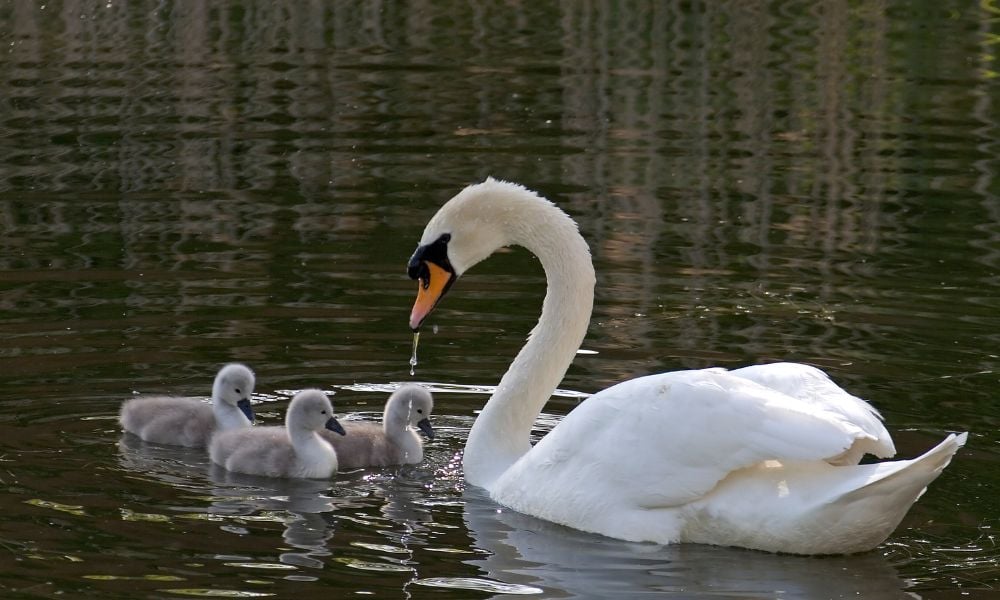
(393, 423)
(501, 433)
(228, 416)
(310, 447)
(397, 430)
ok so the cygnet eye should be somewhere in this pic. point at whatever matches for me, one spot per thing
(420, 410)
(323, 411)
(238, 391)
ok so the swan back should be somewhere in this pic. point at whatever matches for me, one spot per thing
(294, 450)
(168, 420)
(814, 388)
(189, 421)
(395, 441)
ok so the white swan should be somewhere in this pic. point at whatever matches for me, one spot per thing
(189, 421)
(763, 457)
(295, 450)
(394, 442)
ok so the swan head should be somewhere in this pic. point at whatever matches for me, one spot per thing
(234, 386)
(411, 406)
(312, 410)
(475, 223)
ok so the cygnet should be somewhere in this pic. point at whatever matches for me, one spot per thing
(189, 421)
(394, 442)
(295, 450)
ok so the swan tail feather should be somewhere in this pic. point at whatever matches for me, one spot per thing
(913, 474)
(885, 499)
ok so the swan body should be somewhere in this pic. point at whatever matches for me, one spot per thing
(764, 457)
(293, 451)
(395, 441)
(189, 421)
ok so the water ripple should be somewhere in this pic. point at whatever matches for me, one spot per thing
(479, 584)
(445, 388)
(215, 593)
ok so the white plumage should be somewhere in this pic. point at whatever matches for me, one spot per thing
(764, 457)
(188, 421)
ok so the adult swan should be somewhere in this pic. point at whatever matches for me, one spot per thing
(763, 457)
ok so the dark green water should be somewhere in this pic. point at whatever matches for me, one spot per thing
(186, 184)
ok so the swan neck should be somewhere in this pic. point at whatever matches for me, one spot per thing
(501, 433)
(393, 424)
(300, 436)
(228, 416)
(307, 441)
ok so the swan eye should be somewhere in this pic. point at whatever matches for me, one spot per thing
(435, 252)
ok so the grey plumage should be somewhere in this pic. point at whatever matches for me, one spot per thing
(294, 450)
(394, 441)
(188, 421)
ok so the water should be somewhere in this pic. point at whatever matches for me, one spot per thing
(184, 185)
(413, 355)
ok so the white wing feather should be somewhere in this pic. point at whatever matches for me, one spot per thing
(814, 388)
(668, 439)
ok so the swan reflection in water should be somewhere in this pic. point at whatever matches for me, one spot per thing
(516, 553)
(563, 562)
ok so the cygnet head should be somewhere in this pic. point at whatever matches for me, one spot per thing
(411, 405)
(311, 410)
(234, 386)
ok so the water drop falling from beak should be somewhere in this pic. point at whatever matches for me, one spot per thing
(413, 357)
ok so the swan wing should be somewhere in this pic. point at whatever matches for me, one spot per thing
(666, 440)
(813, 387)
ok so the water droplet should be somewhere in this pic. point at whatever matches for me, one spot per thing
(413, 357)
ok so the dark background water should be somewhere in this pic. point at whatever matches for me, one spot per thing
(184, 184)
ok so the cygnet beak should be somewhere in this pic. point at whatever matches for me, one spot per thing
(425, 427)
(244, 405)
(333, 425)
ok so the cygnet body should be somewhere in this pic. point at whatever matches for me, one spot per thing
(189, 421)
(293, 451)
(395, 441)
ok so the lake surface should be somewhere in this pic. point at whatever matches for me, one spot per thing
(187, 184)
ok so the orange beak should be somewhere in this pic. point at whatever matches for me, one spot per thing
(430, 290)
